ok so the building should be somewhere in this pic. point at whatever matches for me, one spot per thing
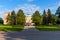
(28, 19)
(6, 17)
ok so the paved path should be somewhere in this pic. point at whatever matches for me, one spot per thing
(30, 34)
(27, 27)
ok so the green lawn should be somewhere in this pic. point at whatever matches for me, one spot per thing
(48, 28)
(10, 28)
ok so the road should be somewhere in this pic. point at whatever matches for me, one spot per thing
(30, 34)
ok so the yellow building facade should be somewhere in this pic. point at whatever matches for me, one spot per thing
(6, 14)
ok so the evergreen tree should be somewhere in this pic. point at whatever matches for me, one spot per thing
(44, 18)
(1, 21)
(49, 16)
(53, 19)
(13, 18)
(20, 18)
(9, 19)
(58, 15)
(36, 18)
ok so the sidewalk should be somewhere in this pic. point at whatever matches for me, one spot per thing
(30, 34)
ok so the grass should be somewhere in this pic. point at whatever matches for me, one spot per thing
(19, 28)
(48, 28)
(10, 28)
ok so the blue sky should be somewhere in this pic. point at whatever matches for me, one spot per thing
(28, 6)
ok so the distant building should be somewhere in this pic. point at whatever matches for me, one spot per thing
(28, 19)
(6, 17)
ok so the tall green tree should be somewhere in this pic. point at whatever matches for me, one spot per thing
(44, 21)
(53, 19)
(36, 18)
(9, 19)
(13, 18)
(58, 15)
(49, 16)
(20, 18)
(1, 21)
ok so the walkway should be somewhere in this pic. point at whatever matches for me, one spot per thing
(30, 34)
(27, 27)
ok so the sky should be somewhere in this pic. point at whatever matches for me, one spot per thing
(28, 6)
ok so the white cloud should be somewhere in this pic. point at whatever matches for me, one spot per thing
(3, 9)
(58, 3)
(28, 8)
(53, 7)
(1, 12)
(1, 6)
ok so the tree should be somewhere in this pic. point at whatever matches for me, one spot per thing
(53, 19)
(44, 21)
(58, 15)
(36, 18)
(13, 18)
(1, 21)
(49, 16)
(9, 19)
(20, 18)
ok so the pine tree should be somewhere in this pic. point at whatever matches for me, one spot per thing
(44, 18)
(53, 19)
(58, 15)
(13, 18)
(49, 17)
(9, 19)
(1, 21)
